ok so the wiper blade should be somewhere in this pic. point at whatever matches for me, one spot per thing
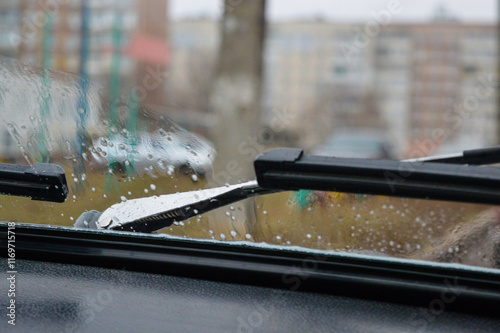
(289, 169)
(42, 181)
(154, 213)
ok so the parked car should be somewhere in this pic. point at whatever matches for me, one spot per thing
(154, 151)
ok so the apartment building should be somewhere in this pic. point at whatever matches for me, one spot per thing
(420, 82)
(428, 78)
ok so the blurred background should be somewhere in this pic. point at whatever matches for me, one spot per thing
(421, 75)
(377, 79)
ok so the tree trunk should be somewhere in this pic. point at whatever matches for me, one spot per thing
(235, 98)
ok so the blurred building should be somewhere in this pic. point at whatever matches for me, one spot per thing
(434, 82)
(420, 81)
(48, 33)
(121, 45)
(320, 84)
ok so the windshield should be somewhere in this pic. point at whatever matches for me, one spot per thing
(138, 99)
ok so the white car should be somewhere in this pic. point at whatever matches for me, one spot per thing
(159, 151)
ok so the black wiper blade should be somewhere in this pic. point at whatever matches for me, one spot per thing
(42, 181)
(290, 169)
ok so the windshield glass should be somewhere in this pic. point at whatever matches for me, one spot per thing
(138, 99)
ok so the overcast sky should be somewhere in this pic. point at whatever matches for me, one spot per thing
(485, 11)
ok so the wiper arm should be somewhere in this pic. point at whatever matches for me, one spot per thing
(482, 156)
(154, 213)
(289, 169)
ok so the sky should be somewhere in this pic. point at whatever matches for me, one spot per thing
(471, 11)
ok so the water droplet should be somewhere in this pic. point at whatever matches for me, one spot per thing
(123, 198)
(222, 236)
(228, 214)
(194, 178)
(248, 236)
(233, 233)
(146, 190)
(153, 187)
(308, 236)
